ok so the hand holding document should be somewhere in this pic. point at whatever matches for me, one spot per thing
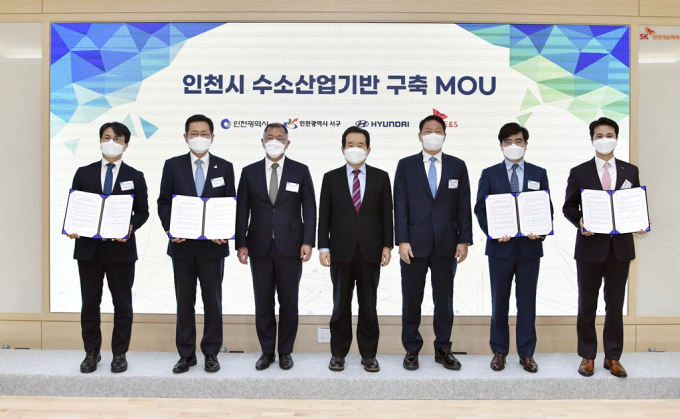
(98, 216)
(615, 212)
(202, 218)
(519, 214)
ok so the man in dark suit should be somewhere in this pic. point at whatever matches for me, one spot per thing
(433, 228)
(114, 258)
(202, 174)
(509, 257)
(355, 240)
(600, 256)
(275, 226)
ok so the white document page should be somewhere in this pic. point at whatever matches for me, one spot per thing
(186, 218)
(220, 218)
(82, 214)
(501, 215)
(630, 210)
(597, 211)
(116, 216)
(534, 213)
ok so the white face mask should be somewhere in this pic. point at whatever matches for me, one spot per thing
(199, 145)
(111, 149)
(355, 155)
(433, 142)
(274, 148)
(513, 152)
(605, 145)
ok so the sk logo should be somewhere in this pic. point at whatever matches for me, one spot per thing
(291, 123)
(647, 33)
(439, 114)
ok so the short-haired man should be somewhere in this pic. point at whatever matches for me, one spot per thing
(114, 258)
(275, 226)
(512, 257)
(355, 240)
(433, 228)
(600, 256)
(197, 173)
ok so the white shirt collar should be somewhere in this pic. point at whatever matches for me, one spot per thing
(350, 169)
(268, 163)
(117, 163)
(508, 164)
(205, 159)
(600, 163)
(426, 157)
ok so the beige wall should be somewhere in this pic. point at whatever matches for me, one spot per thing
(152, 332)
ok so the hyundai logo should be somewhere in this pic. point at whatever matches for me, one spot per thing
(362, 123)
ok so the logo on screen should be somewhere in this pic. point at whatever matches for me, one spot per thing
(651, 34)
(448, 124)
(439, 114)
(362, 123)
(291, 124)
(226, 124)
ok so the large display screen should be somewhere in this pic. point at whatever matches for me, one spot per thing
(319, 79)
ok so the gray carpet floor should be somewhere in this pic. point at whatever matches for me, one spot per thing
(56, 373)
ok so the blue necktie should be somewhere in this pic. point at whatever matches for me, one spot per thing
(200, 178)
(108, 180)
(432, 177)
(514, 180)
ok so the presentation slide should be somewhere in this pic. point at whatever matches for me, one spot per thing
(319, 79)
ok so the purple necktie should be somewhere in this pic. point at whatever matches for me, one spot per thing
(606, 179)
(356, 191)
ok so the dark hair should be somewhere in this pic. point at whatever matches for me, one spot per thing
(198, 118)
(118, 129)
(356, 130)
(512, 128)
(432, 118)
(274, 125)
(603, 121)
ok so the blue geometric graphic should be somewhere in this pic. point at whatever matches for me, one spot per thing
(128, 123)
(149, 128)
(98, 66)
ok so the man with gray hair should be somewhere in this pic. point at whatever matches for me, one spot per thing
(275, 227)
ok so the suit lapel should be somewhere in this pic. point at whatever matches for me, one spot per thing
(213, 167)
(122, 172)
(345, 190)
(420, 172)
(620, 174)
(285, 175)
(503, 176)
(591, 168)
(188, 172)
(527, 177)
(261, 170)
(447, 171)
(368, 193)
(96, 174)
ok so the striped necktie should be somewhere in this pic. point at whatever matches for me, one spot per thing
(356, 190)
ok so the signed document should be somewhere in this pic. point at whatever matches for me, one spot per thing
(203, 218)
(98, 216)
(519, 214)
(615, 212)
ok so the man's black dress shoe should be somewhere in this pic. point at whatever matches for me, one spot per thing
(211, 363)
(528, 364)
(264, 361)
(184, 363)
(445, 357)
(89, 364)
(119, 363)
(370, 364)
(337, 363)
(411, 360)
(285, 361)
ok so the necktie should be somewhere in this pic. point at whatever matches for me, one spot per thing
(606, 179)
(200, 177)
(432, 177)
(274, 183)
(514, 180)
(108, 180)
(356, 190)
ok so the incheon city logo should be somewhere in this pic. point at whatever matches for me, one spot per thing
(226, 124)
(291, 124)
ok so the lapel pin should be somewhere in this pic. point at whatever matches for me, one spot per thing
(215, 166)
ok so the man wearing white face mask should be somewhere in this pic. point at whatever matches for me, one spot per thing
(600, 256)
(275, 226)
(202, 174)
(433, 228)
(355, 240)
(114, 258)
(512, 257)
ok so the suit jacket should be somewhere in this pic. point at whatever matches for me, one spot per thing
(292, 216)
(494, 180)
(423, 220)
(88, 179)
(340, 226)
(595, 248)
(178, 179)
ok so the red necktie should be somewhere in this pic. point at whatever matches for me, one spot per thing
(356, 191)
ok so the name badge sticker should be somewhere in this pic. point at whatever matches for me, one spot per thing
(292, 187)
(453, 183)
(626, 185)
(217, 182)
(126, 186)
(533, 185)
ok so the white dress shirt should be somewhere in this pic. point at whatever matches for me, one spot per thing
(437, 165)
(362, 179)
(206, 161)
(115, 171)
(599, 163)
(268, 170)
(519, 171)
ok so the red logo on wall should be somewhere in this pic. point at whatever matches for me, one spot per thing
(449, 124)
